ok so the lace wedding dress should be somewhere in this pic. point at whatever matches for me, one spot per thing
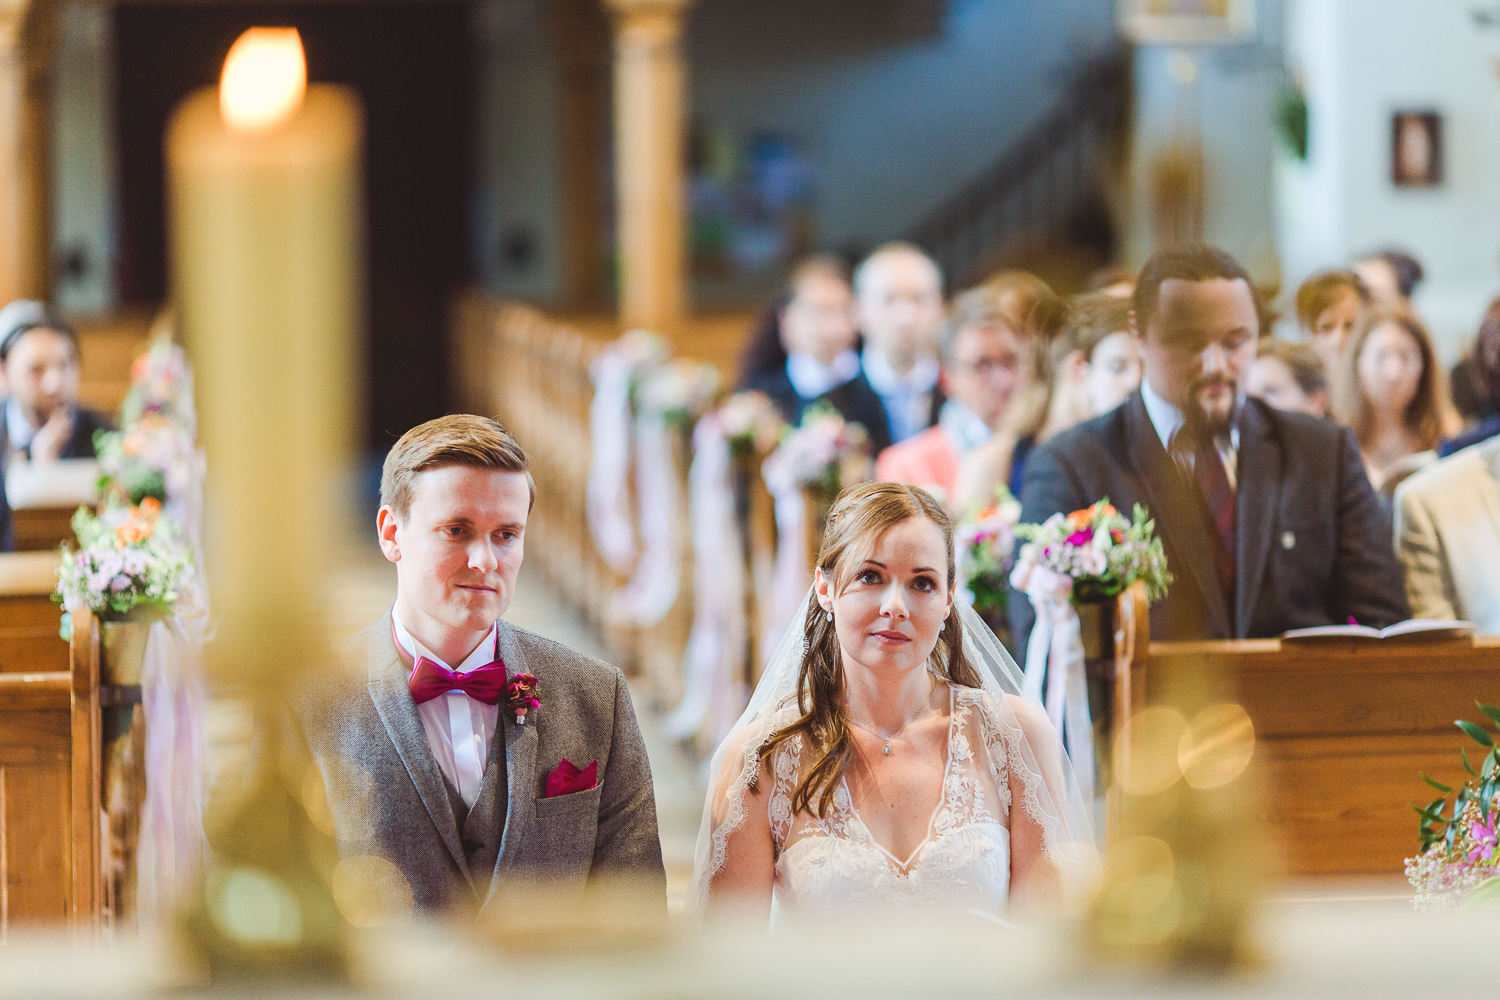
(964, 862)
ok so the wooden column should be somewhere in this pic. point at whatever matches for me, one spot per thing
(649, 193)
(582, 33)
(25, 55)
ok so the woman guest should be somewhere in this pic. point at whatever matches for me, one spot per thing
(1392, 395)
(1091, 365)
(1329, 307)
(886, 763)
(1289, 377)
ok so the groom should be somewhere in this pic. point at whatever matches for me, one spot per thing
(433, 756)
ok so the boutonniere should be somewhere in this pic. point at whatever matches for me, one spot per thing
(520, 696)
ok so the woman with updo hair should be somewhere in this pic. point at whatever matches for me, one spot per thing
(887, 759)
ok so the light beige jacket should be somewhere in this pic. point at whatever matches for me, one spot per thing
(1448, 536)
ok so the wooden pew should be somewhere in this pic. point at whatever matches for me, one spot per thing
(42, 529)
(50, 831)
(1342, 731)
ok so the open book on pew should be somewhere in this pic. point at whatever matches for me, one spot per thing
(1411, 630)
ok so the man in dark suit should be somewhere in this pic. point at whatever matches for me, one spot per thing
(7, 532)
(1268, 519)
(42, 419)
(817, 328)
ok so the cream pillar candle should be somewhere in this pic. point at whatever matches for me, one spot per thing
(265, 241)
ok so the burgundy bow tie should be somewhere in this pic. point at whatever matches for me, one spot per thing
(430, 679)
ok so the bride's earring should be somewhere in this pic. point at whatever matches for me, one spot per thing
(829, 616)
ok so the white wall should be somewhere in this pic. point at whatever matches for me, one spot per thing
(1361, 60)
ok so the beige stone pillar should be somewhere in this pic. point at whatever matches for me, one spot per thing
(649, 191)
(24, 57)
(582, 34)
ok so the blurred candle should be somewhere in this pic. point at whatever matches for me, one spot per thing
(265, 243)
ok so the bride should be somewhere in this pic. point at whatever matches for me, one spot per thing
(886, 757)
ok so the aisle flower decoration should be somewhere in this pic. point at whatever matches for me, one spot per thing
(1460, 854)
(751, 422)
(986, 543)
(1099, 549)
(151, 457)
(825, 454)
(1086, 557)
(679, 390)
(128, 566)
(161, 381)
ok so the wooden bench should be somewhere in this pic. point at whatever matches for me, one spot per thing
(42, 529)
(50, 829)
(1342, 729)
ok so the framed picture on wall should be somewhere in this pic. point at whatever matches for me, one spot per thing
(1186, 22)
(1416, 149)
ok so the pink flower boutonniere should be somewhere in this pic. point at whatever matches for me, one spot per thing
(520, 696)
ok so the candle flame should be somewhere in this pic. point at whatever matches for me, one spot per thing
(265, 79)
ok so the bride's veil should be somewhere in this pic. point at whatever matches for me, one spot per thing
(1051, 793)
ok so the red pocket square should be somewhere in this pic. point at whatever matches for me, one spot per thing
(566, 779)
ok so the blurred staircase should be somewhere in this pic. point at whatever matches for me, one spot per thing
(1043, 203)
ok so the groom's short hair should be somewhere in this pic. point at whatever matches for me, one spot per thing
(457, 439)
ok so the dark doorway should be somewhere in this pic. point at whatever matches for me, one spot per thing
(413, 65)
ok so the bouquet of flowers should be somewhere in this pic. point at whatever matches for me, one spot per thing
(127, 567)
(1459, 841)
(1101, 550)
(986, 542)
(152, 457)
(679, 390)
(161, 381)
(825, 453)
(751, 422)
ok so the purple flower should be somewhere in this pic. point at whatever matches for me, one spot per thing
(1485, 838)
(1080, 538)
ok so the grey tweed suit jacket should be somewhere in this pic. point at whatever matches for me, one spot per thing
(390, 799)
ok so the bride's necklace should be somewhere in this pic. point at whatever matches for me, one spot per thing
(886, 749)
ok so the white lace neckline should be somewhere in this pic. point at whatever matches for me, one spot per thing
(903, 868)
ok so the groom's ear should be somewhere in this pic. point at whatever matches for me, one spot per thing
(386, 527)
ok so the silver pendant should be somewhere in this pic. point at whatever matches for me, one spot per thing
(887, 748)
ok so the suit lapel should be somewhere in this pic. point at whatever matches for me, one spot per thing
(403, 725)
(520, 762)
(1175, 510)
(1258, 487)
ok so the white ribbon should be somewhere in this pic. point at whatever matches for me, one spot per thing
(171, 848)
(792, 574)
(606, 499)
(654, 584)
(1055, 652)
(714, 687)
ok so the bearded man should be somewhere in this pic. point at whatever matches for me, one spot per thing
(1268, 519)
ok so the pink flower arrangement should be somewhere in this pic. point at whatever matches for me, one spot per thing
(1098, 549)
(986, 544)
(826, 453)
(1460, 840)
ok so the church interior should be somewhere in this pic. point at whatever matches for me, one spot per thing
(592, 220)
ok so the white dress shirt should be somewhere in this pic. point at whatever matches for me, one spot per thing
(811, 377)
(1168, 420)
(964, 430)
(459, 728)
(17, 426)
(907, 398)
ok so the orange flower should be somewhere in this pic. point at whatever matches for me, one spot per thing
(1079, 518)
(150, 508)
(132, 532)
